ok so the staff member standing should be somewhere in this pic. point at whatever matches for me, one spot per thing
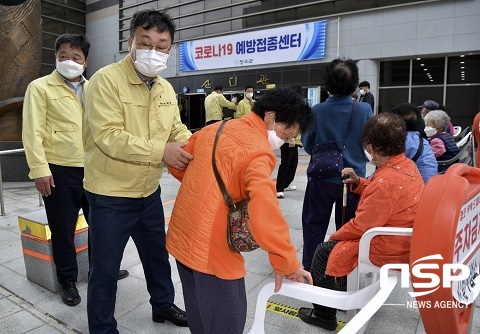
(214, 104)
(132, 126)
(244, 107)
(52, 138)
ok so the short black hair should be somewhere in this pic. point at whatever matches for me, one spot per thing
(289, 106)
(364, 84)
(340, 77)
(410, 114)
(249, 86)
(76, 41)
(218, 87)
(386, 133)
(151, 18)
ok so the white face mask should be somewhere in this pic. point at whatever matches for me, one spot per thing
(362, 91)
(70, 69)
(369, 156)
(429, 131)
(249, 95)
(274, 140)
(150, 63)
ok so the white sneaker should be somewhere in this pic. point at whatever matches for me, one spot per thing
(280, 194)
(290, 188)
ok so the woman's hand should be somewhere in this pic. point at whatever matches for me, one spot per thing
(297, 276)
(352, 177)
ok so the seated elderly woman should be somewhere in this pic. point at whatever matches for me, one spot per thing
(390, 197)
(442, 143)
(417, 148)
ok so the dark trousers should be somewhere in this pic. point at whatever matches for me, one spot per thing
(112, 221)
(213, 305)
(321, 279)
(317, 208)
(288, 166)
(62, 207)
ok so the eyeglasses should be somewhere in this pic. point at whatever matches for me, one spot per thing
(149, 47)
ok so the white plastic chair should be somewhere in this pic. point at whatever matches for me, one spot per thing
(365, 266)
(464, 140)
(456, 130)
(369, 300)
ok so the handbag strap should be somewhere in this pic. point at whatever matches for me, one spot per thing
(354, 109)
(228, 200)
(419, 150)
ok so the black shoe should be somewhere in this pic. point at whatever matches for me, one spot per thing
(122, 274)
(70, 294)
(307, 315)
(174, 315)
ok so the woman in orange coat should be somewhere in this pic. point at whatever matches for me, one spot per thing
(390, 197)
(212, 275)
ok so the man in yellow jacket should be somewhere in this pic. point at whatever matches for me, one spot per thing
(52, 138)
(132, 126)
(244, 107)
(214, 104)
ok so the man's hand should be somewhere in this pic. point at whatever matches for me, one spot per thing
(43, 185)
(175, 156)
(297, 276)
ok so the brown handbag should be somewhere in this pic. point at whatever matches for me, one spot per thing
(239, 238)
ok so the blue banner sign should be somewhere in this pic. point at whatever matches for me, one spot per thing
(290, 43)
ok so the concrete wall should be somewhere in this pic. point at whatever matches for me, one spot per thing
(435, 28)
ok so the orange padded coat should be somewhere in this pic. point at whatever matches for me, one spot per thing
(197, 232)
(389, 198)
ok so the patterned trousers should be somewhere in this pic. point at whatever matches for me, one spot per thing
(321, 279)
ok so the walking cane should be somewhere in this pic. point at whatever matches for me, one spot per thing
(345, 192)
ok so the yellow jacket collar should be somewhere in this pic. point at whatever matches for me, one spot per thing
(56, 79)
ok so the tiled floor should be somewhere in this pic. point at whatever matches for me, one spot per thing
(28, 308)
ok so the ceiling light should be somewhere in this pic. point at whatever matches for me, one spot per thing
(425, 69)
(462, 56)
(422, 64)
(462, 67)
(462, 62)
(419, 58)
(431, 79)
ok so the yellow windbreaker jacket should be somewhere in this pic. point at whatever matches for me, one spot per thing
(52, 125)
(126, 129)
(214, 104)
(244, 107)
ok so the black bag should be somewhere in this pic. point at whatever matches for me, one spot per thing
(326, 161)
(327, 158)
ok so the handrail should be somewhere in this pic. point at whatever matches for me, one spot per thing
(2, 204)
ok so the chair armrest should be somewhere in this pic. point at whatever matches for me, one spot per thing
(365, 240)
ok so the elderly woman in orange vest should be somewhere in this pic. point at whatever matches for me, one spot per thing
(389, 197)
(212, 275)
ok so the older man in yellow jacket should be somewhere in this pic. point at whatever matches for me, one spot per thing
(214, 104)
(132, 126)
(52, 138)
(244, 107)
